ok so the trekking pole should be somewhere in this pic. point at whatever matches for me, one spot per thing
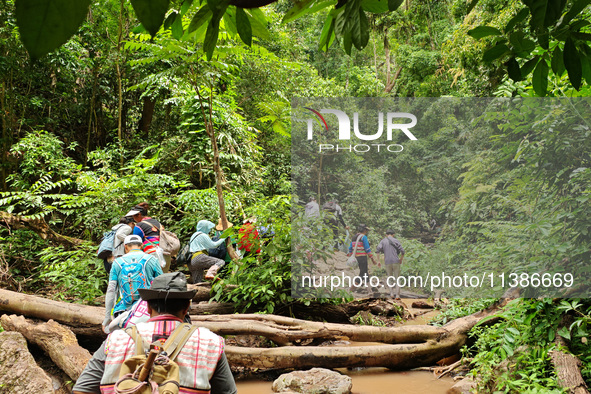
(147, 367)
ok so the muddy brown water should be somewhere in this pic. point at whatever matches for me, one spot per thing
(373, 381)
(377, 380)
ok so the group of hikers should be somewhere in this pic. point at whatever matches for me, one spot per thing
(358, 245)
(389, 246)
(151, 341)
(139, 255)
(145, 304)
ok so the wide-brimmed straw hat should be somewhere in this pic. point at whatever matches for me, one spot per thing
(168, 286)
(251, 219)
(220, 227)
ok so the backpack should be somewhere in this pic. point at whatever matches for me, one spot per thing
(184, 256)
(330, 206)
(107, 244)
(133, 277)
(219, 251)
(169, 242)
(140, 374)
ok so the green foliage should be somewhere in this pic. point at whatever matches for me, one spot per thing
(30, 203)
(18, 249)
(58, 20)
(263, 281)
(41, 153)
(150, 13)
(510, 190)
(513, 354)
(75, 274)
(557, 34)
(460, 307)
(367, 319)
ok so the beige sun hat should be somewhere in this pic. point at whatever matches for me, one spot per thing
(220, 227)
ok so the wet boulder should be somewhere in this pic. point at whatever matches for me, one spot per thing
(313, 381)
(464, 386)
(18, 371)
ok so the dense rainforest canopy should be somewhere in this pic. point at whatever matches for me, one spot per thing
(126, 104)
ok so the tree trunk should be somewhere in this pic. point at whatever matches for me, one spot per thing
(568, 370)
(217, 169)
(390, 356)
(567, 365)
(390, 82)
(7, 124)
(56, 340)
(91, 112)
(147, 115)
(42, 308)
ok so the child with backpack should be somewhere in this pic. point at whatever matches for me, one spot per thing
(133, 271)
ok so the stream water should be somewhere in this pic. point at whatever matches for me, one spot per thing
(376, 380)
(373, 381)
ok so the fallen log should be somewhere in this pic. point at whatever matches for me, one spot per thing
(421, 305)
(39, 226)
(56, 340)
(343, 312)
(82, 316)
(203, 291)
(213, 308)
(406, 346)
(397, 356)
(285, 330)
(391, 356)
(45, 309)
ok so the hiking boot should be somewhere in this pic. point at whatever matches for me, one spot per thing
(211, 272)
